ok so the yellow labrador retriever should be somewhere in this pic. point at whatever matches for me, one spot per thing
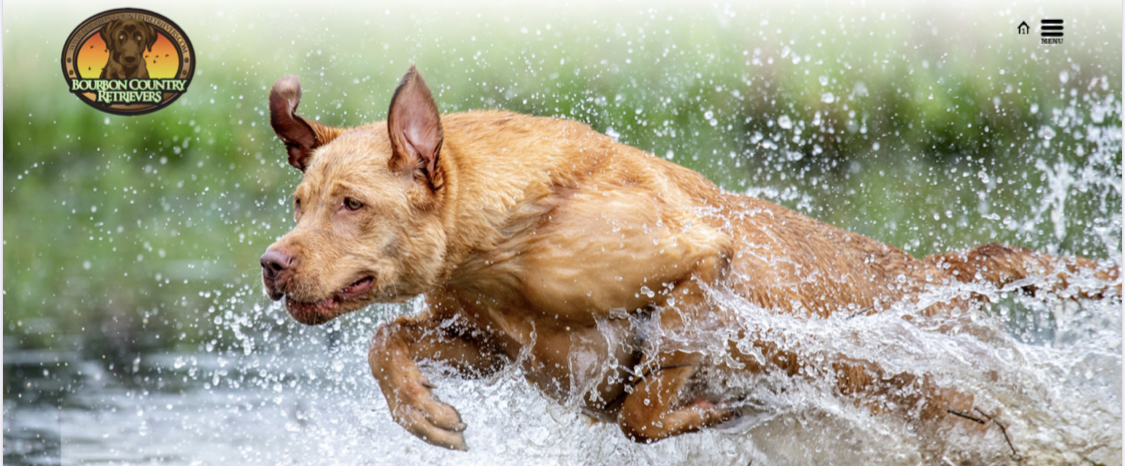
(540, 242)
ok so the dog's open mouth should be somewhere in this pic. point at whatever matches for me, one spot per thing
(314, 313)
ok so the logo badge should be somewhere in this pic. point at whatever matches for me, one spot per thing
(128, 61)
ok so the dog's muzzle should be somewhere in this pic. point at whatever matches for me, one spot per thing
(277, 268)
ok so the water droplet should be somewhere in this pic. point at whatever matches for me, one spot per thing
(784, 122)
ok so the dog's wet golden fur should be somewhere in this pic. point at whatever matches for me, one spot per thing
(540, 242)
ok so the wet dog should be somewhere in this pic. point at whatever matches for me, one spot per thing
(589, 264)
(126, 41)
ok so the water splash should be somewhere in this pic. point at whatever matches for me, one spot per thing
(1048, 369)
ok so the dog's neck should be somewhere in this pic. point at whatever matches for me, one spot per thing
(485, 211)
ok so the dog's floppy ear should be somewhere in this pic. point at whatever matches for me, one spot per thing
(300, 136)
(107, 33)
(414, 125)
(151, 36)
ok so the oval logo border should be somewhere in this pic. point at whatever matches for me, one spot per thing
(91, 26)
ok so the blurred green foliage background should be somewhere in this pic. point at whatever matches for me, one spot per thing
(929, 127)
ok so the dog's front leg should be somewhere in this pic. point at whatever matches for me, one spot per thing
(654, 411)
(394, 350)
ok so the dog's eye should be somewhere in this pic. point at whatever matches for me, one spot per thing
(352, 204)
(121, 37)
(138, 38)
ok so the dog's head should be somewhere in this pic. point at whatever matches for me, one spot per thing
(368, 208)
(127, 40)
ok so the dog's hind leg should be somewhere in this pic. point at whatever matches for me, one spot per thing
(396, 347)
(1004, 265)
(652, 411)
(655, 408)
(871, 386)
(865, 382)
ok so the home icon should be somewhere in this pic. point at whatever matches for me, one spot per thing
(1023, 28)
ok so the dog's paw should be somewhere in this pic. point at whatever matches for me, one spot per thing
(713, 414)
(422, 425)
(744, 418)
(425, 416)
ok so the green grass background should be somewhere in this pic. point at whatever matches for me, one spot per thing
(931, 127)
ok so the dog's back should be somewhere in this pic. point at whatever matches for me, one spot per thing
(770, 255)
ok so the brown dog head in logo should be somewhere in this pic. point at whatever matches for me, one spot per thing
(126, 41)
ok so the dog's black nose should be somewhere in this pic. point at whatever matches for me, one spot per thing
(274, 265)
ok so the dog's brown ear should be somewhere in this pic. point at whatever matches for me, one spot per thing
(414, 125)
(151, 36)
(107, 33)
(300, 136)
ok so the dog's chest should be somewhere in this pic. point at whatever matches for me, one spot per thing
(586, 366)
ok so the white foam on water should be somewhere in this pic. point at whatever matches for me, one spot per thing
(1047, 369)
